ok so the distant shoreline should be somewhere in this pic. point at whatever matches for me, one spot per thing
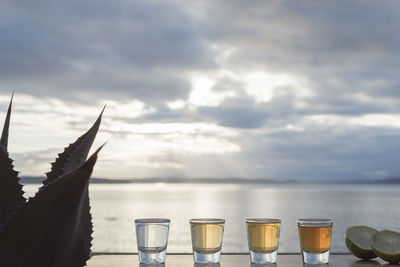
(38, 180)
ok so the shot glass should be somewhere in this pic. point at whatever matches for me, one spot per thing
(207, 237)
(315, 240)
(263, 239)
(152, 239)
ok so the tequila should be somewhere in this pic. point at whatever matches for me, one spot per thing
(315, 239)
(207, 237)
(263, 239)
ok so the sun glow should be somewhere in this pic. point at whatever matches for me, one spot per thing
(263, 86)
(203, 95)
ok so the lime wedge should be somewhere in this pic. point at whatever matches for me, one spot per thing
(358, 241)
(386, 245)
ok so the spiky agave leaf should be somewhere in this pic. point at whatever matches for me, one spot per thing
(11, 193)
(75, 154)
(4, 134)
(47, 230)
(72, 157)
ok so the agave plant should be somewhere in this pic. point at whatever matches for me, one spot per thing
(53, 228)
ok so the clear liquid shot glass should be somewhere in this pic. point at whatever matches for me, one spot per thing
(152, 239)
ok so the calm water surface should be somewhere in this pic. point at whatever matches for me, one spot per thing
(115, 206)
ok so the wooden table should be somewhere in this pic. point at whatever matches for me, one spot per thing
(234, 260)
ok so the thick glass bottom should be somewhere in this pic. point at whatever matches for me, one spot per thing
(263, 258)
(315, 258)
(207, 258)
(152, 258)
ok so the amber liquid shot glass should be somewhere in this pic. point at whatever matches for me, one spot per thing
(207, 237)
(263, 238)
(315, 240)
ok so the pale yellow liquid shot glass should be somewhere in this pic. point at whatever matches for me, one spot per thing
(263, 238)
(207, 237)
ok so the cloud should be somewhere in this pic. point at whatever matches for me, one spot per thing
(283, 89)
(326, 153)
(137, 49)
(237, 112)
(340, 48)
(236, 117)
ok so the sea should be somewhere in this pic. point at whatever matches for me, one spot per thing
(115, 207)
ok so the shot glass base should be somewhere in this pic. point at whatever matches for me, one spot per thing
(315, 258)
(152, 258)
(263, 258)
(207, 258)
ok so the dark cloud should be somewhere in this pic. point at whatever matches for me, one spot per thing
(237, 112)
(165, 114)
(134, 49)
(323, 153)
(236, 117)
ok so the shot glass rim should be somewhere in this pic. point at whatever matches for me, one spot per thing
(263, 220)
(207, 221)
(314, 222)
(152, 220)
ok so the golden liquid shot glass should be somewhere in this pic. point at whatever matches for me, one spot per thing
(207, 237)
(315, 240)
(263, 239)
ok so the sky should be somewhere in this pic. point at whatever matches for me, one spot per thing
(306, 90)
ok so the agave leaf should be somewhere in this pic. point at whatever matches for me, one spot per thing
(72, 157)
(75, 154)
(11, 193)
(4, 134)
(47, 230)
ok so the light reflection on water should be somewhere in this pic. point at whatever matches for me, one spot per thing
(115, 206)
